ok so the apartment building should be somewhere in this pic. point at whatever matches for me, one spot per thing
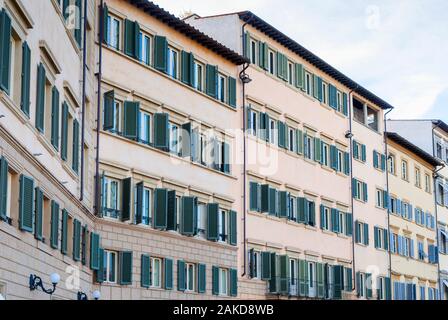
(412, 234)
(432, 136)
(301, 241)
(46, 149)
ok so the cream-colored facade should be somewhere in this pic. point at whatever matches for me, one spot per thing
(413, 239)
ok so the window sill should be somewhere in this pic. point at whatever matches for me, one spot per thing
(343, 236)
(327, 232)
(43, 139)
(11, 104)
(70, 171)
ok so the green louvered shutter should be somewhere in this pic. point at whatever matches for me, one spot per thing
(363, 153)
(320, 280)
(303, 278)
(366, 234)
(168, 273)
(211, 80)
(376, 237)
(333, 100)
(346, 163)
(322, 216)
(3, 188)
(171, 211)
(365, 191)
(233, 282)
(145, 275)
(189, 216)
(202, 279)
(299, 76)
(348, 224)
(181, 281)
(383, 162)
(375, 159)
(246, 49)
(264, 198)
(84, 234)
(386, 240)
(76, 240)
(233, 227)
(40, 99)
(26, 203)
(254, 191)
(349, 277)
(301, 209)
(187, 68)
(317, 150)
(139, 203)
(355, 189)
(334, 157)
(283, 204)
(161, 133)
(284, 274)
(281, 134)
(54, 236)
(75, 154)
(264, 51)
(78, 28)
(109, 101)
(131, 37)
(345, 104)
(212, 221)
(55, 118)
(335, 220)
(265, 265)
(95, 251)
(104, 15)
(100, 271)
(26, 79)
(273, 282)
(299, 137)
(369, 284)
(338, 278)
(5, 50)
(64, 232)
(358, 232)
(215, 280)
(64, 131)
(160, 53)
(272, 202)
(125, 267)
(388, 294)
(126, 205)
(232, 92)
(38, 213)
(160, 209)
(131, 116)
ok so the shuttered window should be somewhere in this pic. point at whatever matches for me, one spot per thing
(161, 131)
(64, 232)
(75, 150)
(187, 68)
(4, 189)
(54, 236)
(26, 79)
(131, 38)
(5, 51)
(64, 131)
(202, 278)
(160, 208)
(55, 118)
(76, 240)
(160, 53)
(189, 216)
(233, 227)
(26, 203)
(40, 98)
(131, 116)
(211, 80)
(212, 221)
(38, 214)
(95, 251)
(168, 273)
(181, 284)
(126, 267)
(232, 92)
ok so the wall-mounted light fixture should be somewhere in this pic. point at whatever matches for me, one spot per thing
(95, 294)
(245, 78)
(348, 135)
(36, 282)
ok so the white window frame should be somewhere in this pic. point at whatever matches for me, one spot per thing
(379, 198)
(107, 266)
(290, 72)
(202, 219)
(325, 93)
(155, 276)
(253, 51)
(418, 175)
(188, 267)
(253, 116)
(221, 93)
(198, 70)
(404, 170)
(271, 62)
(292, 139)
(325, 154)
(145, 42)
(174, 138)
(112, 19)
(223, 282)
(173, 71)
(273, 127)
(308, 83)
(327, 218)
(143, 123)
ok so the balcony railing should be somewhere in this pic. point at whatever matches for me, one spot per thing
(111, 213)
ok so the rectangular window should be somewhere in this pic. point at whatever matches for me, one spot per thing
(156, 272)
(272, 131)
(203, 145)
(110, 266)
(202, 219)
(339, 101)
(222, 84)
(340, 161)
(145, 48)
(146, 205)
(253, 51)
(362, 290)
(222, 226)
(198, 80)
(190, 276)
(380, 198)
(173, 62)
(174, 139)
(223, 282)
(391, 164)
(292, 140)
(421, 250)
(372, 118)
(358, 111)
(326, 218)
(325, 154)
(309, 147)
(308, 84)
(253, 121)
(255, 264)
(404, 170)
(292, 213)
(417, 178)
(427, 183)
(439, 149)
(381, 288)
(324, 93)
(113, 36)
(110, 197)
(145, 127)
(290, 72)
(271, 62)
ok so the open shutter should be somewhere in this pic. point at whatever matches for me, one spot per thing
(284, 274)
(144, 272)
(232, 92)
(189, 216)
(187, 75)
(202, 279)
(254, 191)
(126, 199)
(320, 280)
(78, 28)
(171, 221)
(338, 278)
(233, 282)
(76, 240)
(349, 224)
(38, 213)
(26, 203)
(334, 157)
(55, 118)
(131, 37)
(333, 99)
(181, 281)
(99, 272)
(215, 280)
(265, 265)
(233, 227)
(54, 236)
(345, 104)
(64, 131)
(160, 209)
(3, 188)
(346, 163)
(363, 153)
(283, 205)
(139, 203)
(365, 192)
(5, 50)
(75, 153)
(303, 278)
(301, 209)
(187, 142)
(211, 80)
(26, 79)
(168, 274)
(126, 267)
(272, 201)
(64, 232)
(160, 53)
(104, 15)
(264, 193)
(273, 282)
(226, 157)
(161, 133)
(299, 76)
(109, 102)
(212, 221)
(84, 234)
(388, 289)
(366, 234)
(131, 115)
(40, 99)
(95, 251)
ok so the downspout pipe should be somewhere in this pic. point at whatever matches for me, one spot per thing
(83, 119)
(242, 75)
(98, 110)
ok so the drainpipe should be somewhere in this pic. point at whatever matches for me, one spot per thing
(386, 152)
(435, 176)
(83, 120)
(243, 75)
(98, 110)
(351, 184)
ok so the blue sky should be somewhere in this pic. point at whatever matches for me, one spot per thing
(398, 49)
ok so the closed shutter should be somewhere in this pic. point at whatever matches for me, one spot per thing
(145, 277)
(54, 236)
(303, 278)
(64, 232)
(365, 192)
(160, 53)
(139, 203)
(338, 280)
(100, 271)
(299, 76)
(40, 99)
(215, 280)
(131, 117)
(320, 280)
(254, 190)
(94, 251)
(105, 30)
(126, 267)
(55, 118)
(233, 227)
(189, 216)
(3, 188)
(265, 265)
(161, 134)
(301, 209)
(283, 205)
(168, 274)
(84, 234)
(202, 278)
(38, 214)
(284, 274)
(211, 80)
(345, 104)
(160, 209)
(171, 220)
(5, 50)
(26, 79)
(264, 194)
(233, 282)
(131, 37)
(64, 131)
(348, 224)
(349, 276)
(212, 221)
(317, 150)
(232, 92)
(181, 270)
(75, 155)
(26, 203)
(273, 287)
(299, 137)
(76, 240)
(187, 140)
(126, 206)
(109, 110)
(366, 234)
